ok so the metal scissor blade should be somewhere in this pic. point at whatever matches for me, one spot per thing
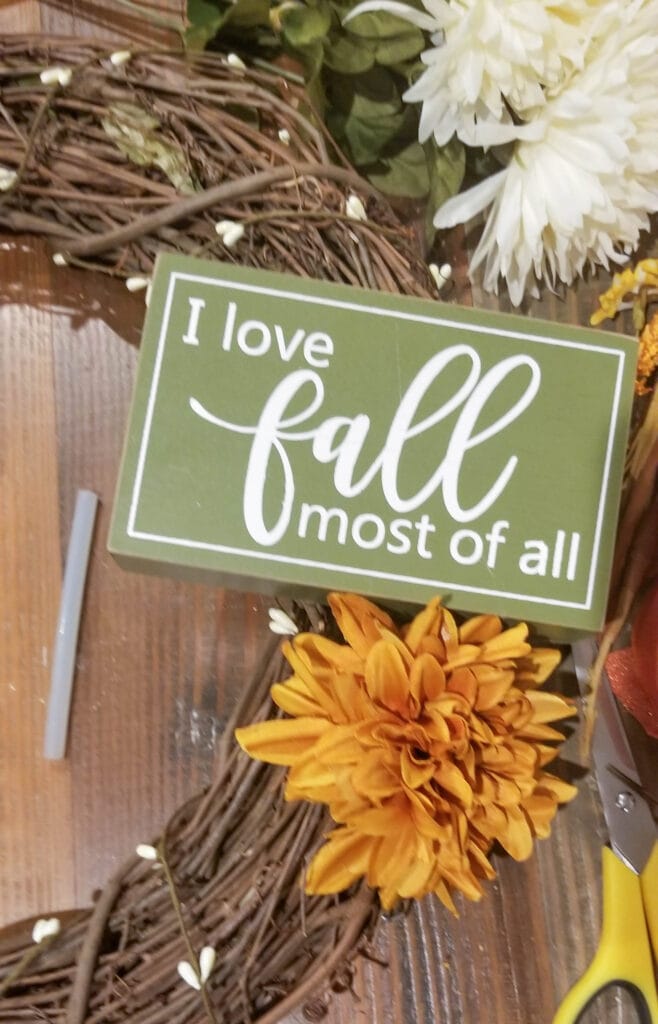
(630, 823)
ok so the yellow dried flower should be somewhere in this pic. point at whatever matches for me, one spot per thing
(428, 744)
(647, 361)
(630, 282)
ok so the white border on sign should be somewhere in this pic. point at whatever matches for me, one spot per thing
(187, 542)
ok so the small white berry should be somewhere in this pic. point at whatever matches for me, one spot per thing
(281, 623)
(355, 209)
(188, 974)
(207, 958)
(120, 57)
(146, 851)
(440, 274)
(7, 179)
(137, 284)
(230, 232)
(44, 928)
(236, 62)
(56, 75)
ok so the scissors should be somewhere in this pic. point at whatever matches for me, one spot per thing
(628, 946)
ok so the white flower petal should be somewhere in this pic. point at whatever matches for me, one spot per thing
(461, 208)
(59, 259)
(188, 974)
(284, 136)
(487, 52)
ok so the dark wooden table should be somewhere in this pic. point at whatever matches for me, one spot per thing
(160, 663)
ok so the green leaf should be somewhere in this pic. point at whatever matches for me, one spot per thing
(248, 13)
(446, 167)
(377, 25)
(374, 93)
(301, 26)
(365, 112)
(400, 48)
(311, 57)
(404, 174)
(204, 21)
(349, 56)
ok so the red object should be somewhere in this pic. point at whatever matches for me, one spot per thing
(633, 671)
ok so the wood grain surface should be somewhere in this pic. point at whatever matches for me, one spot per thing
(161, 662)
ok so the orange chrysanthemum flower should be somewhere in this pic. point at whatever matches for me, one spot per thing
(427, 744)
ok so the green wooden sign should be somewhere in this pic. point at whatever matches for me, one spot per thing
(297, 437)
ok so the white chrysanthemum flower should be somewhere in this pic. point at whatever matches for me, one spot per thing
(579, 190)
(489, 56)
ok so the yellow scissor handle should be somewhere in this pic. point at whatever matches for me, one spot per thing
(624, 953)
(649, 883)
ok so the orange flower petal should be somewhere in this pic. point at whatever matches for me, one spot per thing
(450, 778)
(395, 855)
(549, 707)
(374, 778)
(301, 663)
(479, 629)
(294, 698)
(325, 657)
(465, 654)
(427, 678)
(308, 780)
(541, 810)
(482, 866)
(516, 838)
(415, 773)
(283, 741)
(415, 882)
(561, 790)
(338, 746)
(358, 621)
(535, 667)
(510, 644)
(492, 692)
(536, 731)
(463, 681)
(443, 892)
(386, 820)
(426, 623)
(424, 820)
(387, 681)
(339, 862)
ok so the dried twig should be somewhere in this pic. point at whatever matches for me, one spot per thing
(125, 162)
